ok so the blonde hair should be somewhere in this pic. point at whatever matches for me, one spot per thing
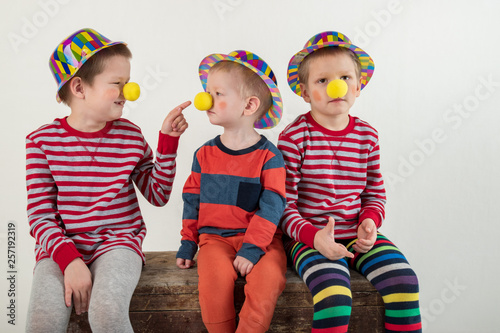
(93, 67)
(251, 84)
(303, 70)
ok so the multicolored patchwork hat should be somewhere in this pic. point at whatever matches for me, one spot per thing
(258, 66)
(73, 52)
(328, 39)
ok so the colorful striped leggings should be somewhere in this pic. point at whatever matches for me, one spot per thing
(329, 282)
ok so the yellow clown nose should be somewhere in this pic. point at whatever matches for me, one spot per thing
(203, 101)
(336, 89)
(131, 91)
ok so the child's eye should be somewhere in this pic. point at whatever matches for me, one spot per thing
(321, 81)
(345, 77)
(218, 93)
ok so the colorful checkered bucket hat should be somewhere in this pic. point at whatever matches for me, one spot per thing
(73, 52)
(258, 66)
(328, 39)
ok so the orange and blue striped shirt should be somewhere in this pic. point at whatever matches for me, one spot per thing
(234, 192)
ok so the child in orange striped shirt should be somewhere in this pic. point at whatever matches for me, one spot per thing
(235, 196)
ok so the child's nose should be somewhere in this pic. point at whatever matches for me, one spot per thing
(203, 101)
(131, 91)
(336, 88)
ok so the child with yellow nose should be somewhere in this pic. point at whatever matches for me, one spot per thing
(83, 210)
(235, 196)
(335, 191)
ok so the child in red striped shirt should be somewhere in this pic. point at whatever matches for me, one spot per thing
(82, 206)
(335, 191)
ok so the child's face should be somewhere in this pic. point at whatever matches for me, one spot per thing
(323, 70)
(228, 105)
(104, 99)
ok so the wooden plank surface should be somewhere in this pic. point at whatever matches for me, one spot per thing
(166, 299)
(285, 320)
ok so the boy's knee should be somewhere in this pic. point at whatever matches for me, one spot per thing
(104, 310)
(222, 327)
(251, 325)
(256, 314)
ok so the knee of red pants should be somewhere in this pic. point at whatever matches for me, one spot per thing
(248, 325)
(224, 327)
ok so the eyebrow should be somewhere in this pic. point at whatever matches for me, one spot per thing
(340, 70)
(119, 78)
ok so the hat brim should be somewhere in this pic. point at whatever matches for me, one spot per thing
(272, 117)
(84, 60)
(367, 65)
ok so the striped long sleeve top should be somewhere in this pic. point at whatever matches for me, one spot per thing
(234, 192)
(330, 174)
(81, 196)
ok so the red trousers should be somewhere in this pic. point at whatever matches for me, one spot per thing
(217, 275)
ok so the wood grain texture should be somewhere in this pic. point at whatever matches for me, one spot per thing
(166, 300)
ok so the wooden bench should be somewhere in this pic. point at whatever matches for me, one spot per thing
(166, 300)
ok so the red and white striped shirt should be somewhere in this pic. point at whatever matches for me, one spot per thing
(330, 173)
(81, 196)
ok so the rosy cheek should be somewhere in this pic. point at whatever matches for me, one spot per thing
(222, 105)
(111, 94)
(316, 95)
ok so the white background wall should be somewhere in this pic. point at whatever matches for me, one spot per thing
(434, 98)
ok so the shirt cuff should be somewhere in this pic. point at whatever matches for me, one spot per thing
(307, 235)
(187, 250)
(368, 214)
(250, 252)
(65, 254)
(167, 144)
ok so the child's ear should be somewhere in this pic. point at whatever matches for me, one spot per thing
(77, 88)
(252, 105)
(358, 90)
(304, 93)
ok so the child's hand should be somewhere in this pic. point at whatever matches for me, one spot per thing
(77, 284)
(184, 263)
(175, 124)
(324, 242)
(367, 235)
(242, 265)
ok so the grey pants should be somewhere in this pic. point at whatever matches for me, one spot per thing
(114, 277)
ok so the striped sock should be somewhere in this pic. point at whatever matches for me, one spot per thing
(329, 283)
(389, 271)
